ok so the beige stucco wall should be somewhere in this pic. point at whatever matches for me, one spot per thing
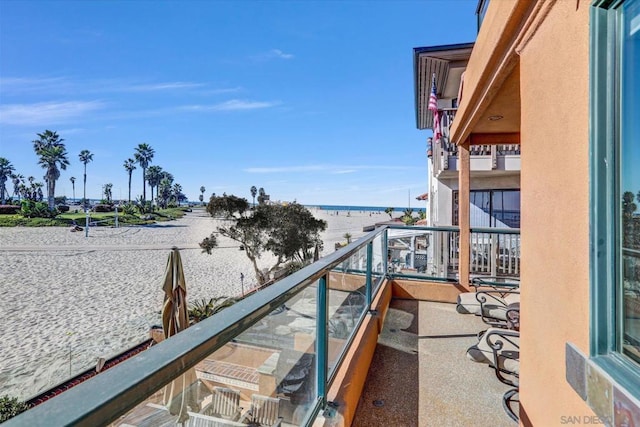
(554, 67)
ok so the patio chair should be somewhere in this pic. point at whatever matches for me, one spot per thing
(495, 282)
(225, 404)
(492, 305)
(264, 411)
(500, 349)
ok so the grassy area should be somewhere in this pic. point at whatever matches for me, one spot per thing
(102, 218)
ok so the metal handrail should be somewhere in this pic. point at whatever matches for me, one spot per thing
(489, 230)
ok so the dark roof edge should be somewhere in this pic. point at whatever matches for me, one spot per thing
(427, 49)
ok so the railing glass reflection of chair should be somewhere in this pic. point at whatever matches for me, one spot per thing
(225, 404)
(264, 411)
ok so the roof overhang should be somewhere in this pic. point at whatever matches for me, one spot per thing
(490, 109)
(447, 62)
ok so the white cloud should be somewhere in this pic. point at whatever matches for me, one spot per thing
(66, 85)
(277, 53)
(332, 169)
(161, 86)
(231, 105)
(32, 84)
(272, 54)
(46, 112)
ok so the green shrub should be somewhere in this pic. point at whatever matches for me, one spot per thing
(103, 208)
(63, 208)
(144, 208)
(31, 209)
(128, 209)
(10, 407)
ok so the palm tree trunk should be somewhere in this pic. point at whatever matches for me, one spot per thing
(51, 190)
(144, 185)
(84, 192)
(129, 187)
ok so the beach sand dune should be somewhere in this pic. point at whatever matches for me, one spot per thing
(70, 299)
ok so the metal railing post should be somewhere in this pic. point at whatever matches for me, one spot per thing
(385, 251)
(368, 284)
(322, 347)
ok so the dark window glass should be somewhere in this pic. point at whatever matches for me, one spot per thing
(629, 176)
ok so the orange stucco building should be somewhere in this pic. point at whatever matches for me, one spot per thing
(537, 76)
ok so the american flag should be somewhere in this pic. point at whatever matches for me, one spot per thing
(433, 107)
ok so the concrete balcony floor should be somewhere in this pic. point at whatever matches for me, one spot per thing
(420, 374)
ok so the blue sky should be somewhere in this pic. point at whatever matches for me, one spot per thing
(313, 101)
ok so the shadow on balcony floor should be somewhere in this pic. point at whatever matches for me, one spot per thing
(420, 375)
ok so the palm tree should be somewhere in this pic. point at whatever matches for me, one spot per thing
(261, 196)
(73, 185)
(202, 309)
(130, 165)
(6, 170)
(85, 157)
(177, 192)
(143, 155)
(254, 191)
(164, 191)
(202, 190)
(53, 157)
(154, 175)
(18, 181)
(107, 192)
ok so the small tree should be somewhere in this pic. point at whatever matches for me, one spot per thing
(389, 211)
(289, 232)
(108, 192)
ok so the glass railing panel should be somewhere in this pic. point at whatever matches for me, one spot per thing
(260, 352)
(346, 304)
(495, 252)
(424, 252)
(377, 263)
(265, 375)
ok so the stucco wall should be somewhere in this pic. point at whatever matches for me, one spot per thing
(554, 68)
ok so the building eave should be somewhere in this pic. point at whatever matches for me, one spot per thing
(436, 60)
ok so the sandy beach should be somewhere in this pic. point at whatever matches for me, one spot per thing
(68, 299)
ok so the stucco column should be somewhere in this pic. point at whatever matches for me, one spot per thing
(464, 183)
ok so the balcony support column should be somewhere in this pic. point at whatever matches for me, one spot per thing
(464, 186)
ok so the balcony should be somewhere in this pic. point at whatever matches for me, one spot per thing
(484, 158)
(343, 340)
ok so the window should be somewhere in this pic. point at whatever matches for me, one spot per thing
(615, 187)
(491, 208)
(630, 179)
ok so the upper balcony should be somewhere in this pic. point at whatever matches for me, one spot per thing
(484, 158)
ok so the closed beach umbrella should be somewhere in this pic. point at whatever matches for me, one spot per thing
(175, 316)
(181, 395)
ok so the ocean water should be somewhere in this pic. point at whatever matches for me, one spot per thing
(363, 208)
